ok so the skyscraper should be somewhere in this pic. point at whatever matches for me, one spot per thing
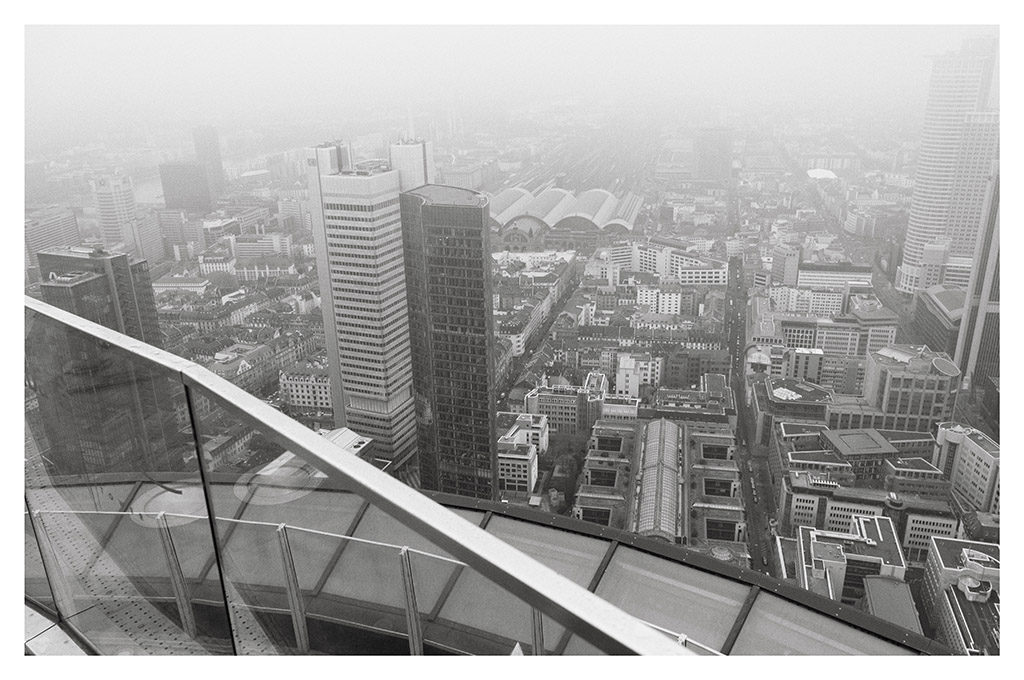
(99, 411)
(978, 159)
(111, 289)
(207, 144)
(977, 347)
(960, 85)
(358, 237)
(414, 161)
(186, 186)
(122, 226)
(448, 276)
(115, 208)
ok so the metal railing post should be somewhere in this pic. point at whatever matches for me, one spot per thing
(412, 612)
(185, 611)
(538, 632)
(291, 582)
(63, 600)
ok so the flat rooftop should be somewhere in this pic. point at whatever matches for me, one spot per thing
(873, 537)
(440, 194)
(817, 457)
(978, 621)
(950, 551)
(919, 464)
(859, 442)
(890, 599)
(790, 390)
(798, 429)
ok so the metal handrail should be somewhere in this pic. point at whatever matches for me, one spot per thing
(596, 621)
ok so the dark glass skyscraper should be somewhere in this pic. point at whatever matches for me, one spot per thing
(186, 186)
(448, 278)
(977, 351)
(207, 143)
(111, 289)
(99, 412)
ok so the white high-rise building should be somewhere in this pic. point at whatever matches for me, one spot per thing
(115, 207)
(414, 161)
(979, 154)
(357, 231)
(960, 86)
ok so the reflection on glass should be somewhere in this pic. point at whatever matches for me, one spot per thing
(776, 626)
(108, 447)
(676, 597)
(36, 586)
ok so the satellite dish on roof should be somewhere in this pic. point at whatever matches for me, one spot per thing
(945, 367)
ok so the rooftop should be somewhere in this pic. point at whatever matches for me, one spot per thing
(891, 599)
(852, 443)
(792, 390)
(977, 622)
(950, 552)
(979, 438)
(913, 464)
(798, 429)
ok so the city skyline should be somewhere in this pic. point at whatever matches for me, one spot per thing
(393, 339)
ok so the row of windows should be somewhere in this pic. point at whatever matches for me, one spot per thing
(355, 207)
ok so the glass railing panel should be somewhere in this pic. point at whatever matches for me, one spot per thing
(257, 591)
(108, 446)
(203, 592)
(376, 525)
(433, 578)
(476, 616)
(674, 596)
(574, 556)
(326, 578)
(577, 646)
(367, 581)
(777, 626)
(37, 588)
(323, 508)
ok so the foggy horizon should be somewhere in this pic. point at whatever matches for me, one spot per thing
(130, 76)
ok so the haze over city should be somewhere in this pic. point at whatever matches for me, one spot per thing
(512, 340)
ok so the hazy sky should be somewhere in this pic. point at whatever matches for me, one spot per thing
(82, 76)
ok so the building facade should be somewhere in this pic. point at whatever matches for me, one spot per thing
(960, 85)
(357, 228)
(446, 237)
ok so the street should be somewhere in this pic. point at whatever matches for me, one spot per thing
(750, 457)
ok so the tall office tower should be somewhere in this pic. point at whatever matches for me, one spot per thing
(414, 161)
(448, 276)
(49, 227)
(207, 144)
(358, 238)
(713, 150)
(186, 186)
(111, 289)
(101, 413)
(960, 85)
(115, 208)
(146, 239)
(977, 346)
(979, 158)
